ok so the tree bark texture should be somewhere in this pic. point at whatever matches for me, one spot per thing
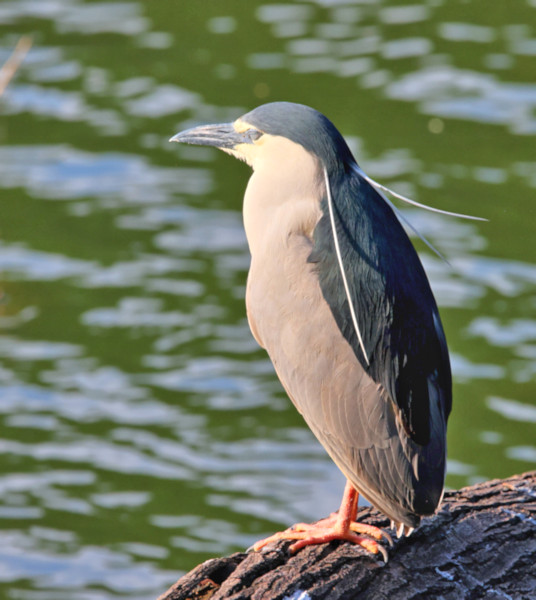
(480, 545)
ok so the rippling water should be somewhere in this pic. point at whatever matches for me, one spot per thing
(143, 429)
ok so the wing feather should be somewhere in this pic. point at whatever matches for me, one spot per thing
(396, 310)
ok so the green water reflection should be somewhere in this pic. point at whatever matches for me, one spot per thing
(143, 429)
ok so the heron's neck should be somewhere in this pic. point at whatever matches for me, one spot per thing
(282, 199)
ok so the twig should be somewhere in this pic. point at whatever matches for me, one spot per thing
(14, 61)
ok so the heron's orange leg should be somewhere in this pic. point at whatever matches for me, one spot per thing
(338, 526)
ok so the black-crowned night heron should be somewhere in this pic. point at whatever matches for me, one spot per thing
(338, 297)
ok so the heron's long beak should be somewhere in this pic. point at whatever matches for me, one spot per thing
(222, 136)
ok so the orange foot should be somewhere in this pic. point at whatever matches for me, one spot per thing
(341, 526)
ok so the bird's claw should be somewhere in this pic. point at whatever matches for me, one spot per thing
(303, 534)
(372, 531)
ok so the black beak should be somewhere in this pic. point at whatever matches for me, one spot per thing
(221, 136)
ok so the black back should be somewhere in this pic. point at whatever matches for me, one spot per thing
(395, 308)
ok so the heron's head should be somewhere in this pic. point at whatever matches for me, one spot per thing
(263, 134)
